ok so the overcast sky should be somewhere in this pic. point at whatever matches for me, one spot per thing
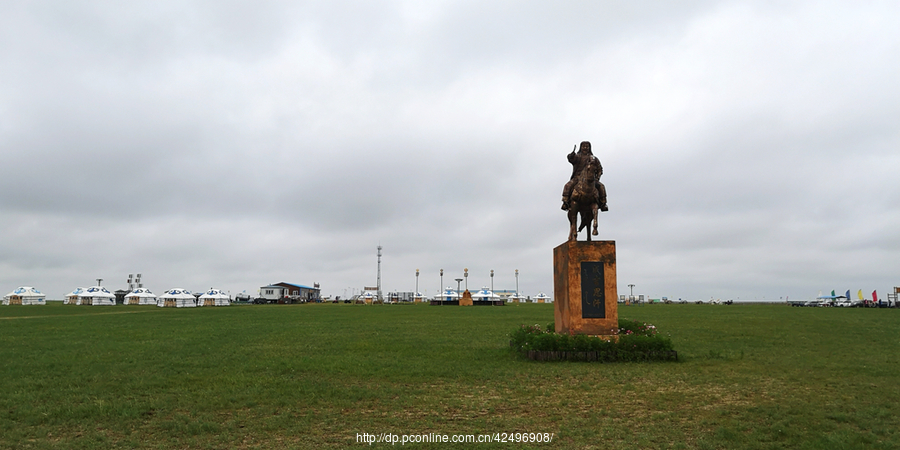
(750, 149)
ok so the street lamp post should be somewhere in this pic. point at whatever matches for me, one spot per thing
(492, 281)
(458, 280)
(517, 284)
(466, 276)
(631, 297)
(416, 294)
(441, 290)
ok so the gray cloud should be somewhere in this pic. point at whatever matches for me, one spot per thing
(749, 148)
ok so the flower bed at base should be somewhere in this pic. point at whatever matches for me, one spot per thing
(637, 341)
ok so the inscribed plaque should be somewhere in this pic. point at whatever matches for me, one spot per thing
(593, 293)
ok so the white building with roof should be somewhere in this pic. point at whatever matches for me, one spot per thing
(25, 295)
(448, 295)
(140, 296)
(96, 296)
(72, 297)
(176, 298)
(214, 297)
(485, 294)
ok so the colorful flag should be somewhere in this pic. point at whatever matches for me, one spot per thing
(874, 297)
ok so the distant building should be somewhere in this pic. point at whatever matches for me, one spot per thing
(120, 295)
(297, 292)
(401, 296)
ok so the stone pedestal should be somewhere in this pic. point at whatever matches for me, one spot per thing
(584, 286)
(466, 299)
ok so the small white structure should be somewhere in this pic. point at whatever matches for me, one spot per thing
(449, 294)
(369, 297)
(96, 296)
(140, 296)
(542, 298)
(516, 298)
(214, 297)
(72, 297)
(25, 295)
(290, 292)
(177, 298)
(485, 294)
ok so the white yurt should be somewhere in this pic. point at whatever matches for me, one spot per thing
(140, 296)
(369, 297)
(214, 297)
(449, 294)
(176, 298)
(516, 298)
(25, 295)
(72, 297)
(542, 298)
(96, 296)
(485, 294)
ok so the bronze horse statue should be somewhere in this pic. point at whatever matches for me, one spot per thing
(584, 200)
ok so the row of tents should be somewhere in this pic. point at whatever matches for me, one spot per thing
(451, 294)
(100, 296)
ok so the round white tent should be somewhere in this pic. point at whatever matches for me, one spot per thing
(214, 297)
(25, 295)
(96, 296)
(516, 298)
(449, 294)
(542, 298)
(72, 297)
(177, 298)
(369, 297)
(140, 296)
(485, 294)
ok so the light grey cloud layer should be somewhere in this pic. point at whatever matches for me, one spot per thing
(750, 148)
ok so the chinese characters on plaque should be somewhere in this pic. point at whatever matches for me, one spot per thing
(593, 293)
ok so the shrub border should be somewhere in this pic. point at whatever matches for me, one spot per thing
(528, 340)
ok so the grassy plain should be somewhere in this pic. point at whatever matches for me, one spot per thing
(311, 376)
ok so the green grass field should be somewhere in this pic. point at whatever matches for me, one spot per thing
(309, 376)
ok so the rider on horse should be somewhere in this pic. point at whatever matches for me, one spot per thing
(585, 160)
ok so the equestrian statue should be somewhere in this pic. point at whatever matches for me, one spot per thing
(584, 194)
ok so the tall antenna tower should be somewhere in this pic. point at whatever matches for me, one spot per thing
(379, 272)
